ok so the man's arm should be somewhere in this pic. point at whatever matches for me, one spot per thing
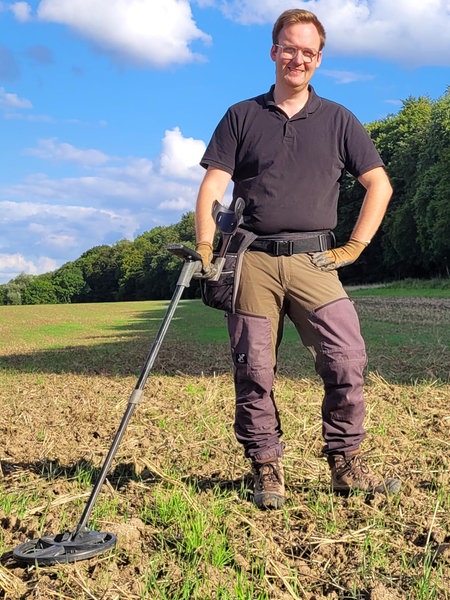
(373, 209)
(376, 200)
(213, 187)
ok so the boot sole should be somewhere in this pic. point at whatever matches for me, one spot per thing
(391, 486)
(269, 501)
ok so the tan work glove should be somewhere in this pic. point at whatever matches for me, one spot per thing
(206, 252)
(339, 257)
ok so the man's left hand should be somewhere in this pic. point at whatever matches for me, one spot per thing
(339, 257)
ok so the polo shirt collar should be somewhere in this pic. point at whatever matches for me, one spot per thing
(311, 106)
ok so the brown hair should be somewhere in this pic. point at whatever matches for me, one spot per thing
(298, 15)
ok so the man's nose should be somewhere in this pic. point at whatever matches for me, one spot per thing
(298, 59)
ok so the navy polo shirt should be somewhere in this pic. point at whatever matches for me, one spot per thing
(288, 170)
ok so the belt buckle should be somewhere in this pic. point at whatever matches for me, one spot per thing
(283, 247)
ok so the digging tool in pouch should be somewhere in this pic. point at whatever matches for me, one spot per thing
(221, 292)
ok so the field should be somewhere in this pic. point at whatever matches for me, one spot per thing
(178, 495)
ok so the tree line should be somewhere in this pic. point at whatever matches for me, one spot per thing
(413, 241)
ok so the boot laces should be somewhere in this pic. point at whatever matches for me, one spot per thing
(357, 468)
(268, 473)
(355, 464)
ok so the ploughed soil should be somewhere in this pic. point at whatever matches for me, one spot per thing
(57, 424)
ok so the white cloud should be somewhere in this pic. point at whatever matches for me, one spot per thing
(180, 156)
(412, 32)
(13, 264)
(344, 77)
(30, 118)
(21, 10)
(154, 33)
(180, 205)
(99, 188)
(395, 102)
(255, 11)
(40, 218)
(12, 101)
(52, 149)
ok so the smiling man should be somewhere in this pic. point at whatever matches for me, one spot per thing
(286, 152)
(297, 53)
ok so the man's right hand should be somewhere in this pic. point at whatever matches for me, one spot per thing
(206, 252)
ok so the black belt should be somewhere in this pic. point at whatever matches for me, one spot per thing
(307, 243)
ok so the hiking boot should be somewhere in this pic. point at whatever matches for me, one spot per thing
(268, 477)
(349, 472)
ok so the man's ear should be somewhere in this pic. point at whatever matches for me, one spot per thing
(273, 52)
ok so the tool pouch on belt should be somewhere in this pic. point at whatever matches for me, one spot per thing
(221, 294)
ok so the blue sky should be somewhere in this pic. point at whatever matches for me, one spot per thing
(106, 105)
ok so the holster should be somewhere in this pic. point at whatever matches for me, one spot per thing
(221, 294)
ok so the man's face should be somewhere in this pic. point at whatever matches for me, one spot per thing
(295, 72)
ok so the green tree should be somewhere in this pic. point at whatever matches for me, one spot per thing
(185, 229)
(157, 265)
(13, 293)
(131, 270)
(431, 202)
(15, 289)
(148, 270)
(40, 291)
(401, 140)
(69, 284)
(100, 267)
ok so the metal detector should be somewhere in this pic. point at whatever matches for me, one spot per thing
(83, 543)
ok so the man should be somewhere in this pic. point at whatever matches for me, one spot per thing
(286, 151)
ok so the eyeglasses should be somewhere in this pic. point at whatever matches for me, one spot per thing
(291, 52)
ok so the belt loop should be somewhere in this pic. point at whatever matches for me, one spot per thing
(326, 241)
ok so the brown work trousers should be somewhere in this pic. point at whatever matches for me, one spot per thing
(271, 288)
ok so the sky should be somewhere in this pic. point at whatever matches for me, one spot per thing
(106, 106)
